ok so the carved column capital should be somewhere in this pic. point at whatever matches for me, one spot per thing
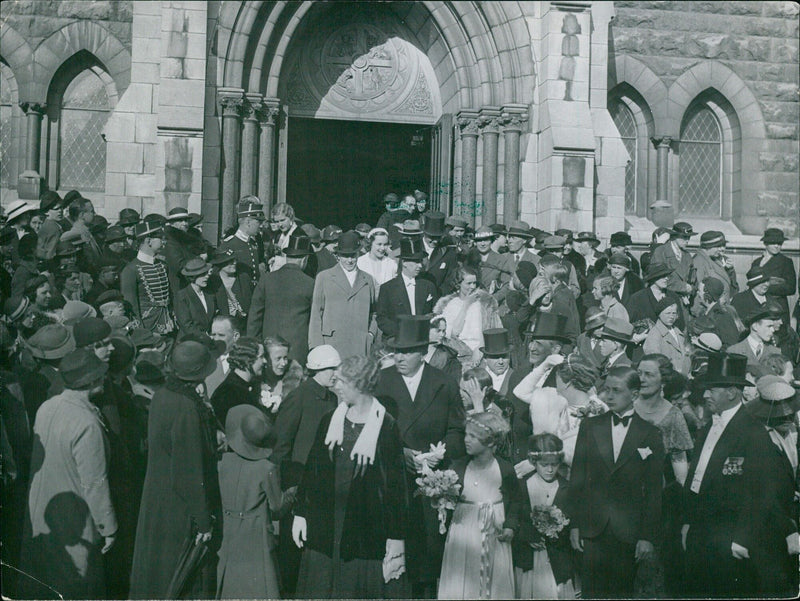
(268, 113)
(489, 120)
(231, 101)
(251, 106)
(513, 121)
(468, 123)
(33, 107)
(662, 142)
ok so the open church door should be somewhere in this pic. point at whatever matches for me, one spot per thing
(441, 189)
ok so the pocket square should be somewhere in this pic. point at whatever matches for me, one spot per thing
(429, 299)
(443, 265)
(645, 452)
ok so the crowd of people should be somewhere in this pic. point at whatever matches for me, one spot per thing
(267, 418)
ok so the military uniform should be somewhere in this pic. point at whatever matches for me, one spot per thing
(248, 252)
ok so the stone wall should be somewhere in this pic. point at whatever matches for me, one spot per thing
(758, 42)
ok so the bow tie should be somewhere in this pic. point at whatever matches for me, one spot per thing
(624, 420)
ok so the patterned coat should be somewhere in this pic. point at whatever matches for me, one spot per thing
(146, 287)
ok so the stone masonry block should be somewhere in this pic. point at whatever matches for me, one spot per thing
(140, 185)
(146, 127)
(181, 92)
(120, 127)
(115, 184)
(124, 157)
(144, 49)
(197, 45)
(144, 72)
(146, 8)
(147, 26)
(194, 68)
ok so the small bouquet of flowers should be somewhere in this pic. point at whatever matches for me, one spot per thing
(594, 407)
(548, 521)
(442, 488)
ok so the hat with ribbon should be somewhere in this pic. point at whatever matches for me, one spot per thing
(192, 361)
(52, 341)
(496, 342)
(756, 276)
(586, 237)
(331, 233)
(15, 307)
(617, 329)
(128, 217)
(348, 244)
(413, 332)
(409, 227)
(549, 326)
(776, 398)
(50, 200)
(433, 224)
(656, 271)
(620, 239)
(595, 318)
(74, 310)
(708, 341)
(773, 235)
(81, 368)
(149, 228)
(682, 230)
(323, 356)
(178, 214)
(247, 208)
(17, 209)
(195, 267)
(519, 229)
(484, 233)
(299, 246)
(412, 249)
(726, 369)
(712, 239)
(248, 432)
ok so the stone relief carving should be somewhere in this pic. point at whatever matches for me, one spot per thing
(420, 101)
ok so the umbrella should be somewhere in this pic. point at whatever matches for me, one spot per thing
(190, 558)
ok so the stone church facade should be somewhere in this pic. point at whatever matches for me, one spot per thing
(569, 113)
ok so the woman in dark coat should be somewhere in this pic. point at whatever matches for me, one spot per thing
(351, 509)
(181, 491)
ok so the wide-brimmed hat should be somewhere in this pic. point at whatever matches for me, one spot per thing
(773, 235)
(549, 326)
(712, 239)
(90, 330)
(682, 230)
(331, 233)
(52, 341)
(595, 318)
(128, 217)
(222, 257)
(178, 214)
(456, 221)
(756, 276)
(726, 369)
(409, 227)
(708, 341)
(776, 398)
(554, 242)
(766, 311)
(413, 332)
(75, 310)
(617, 329)
(148, 228)
(433, 224)
(313, 233)
(620, 239)
(586, 237)
(484, 233)
(50, 200)
(496, 342)
(192, 361)
(17, 209)
(412, 249)
(620, 259)
(248, 432)
(250, 209)
(656, 271)
(299, 246)
(80, 368)
(323, 356)
(519, 229)
(349, 243)
(115, 233)
(195, 267)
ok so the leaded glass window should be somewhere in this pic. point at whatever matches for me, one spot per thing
(701, 165)
(84, 111)
(6, 130)
(626, 125)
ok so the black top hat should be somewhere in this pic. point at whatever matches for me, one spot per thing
(433, 224)
(773, 235)
(682, 230)
(413, 332)
(299, 246)
(50, 200)
(656, 271)
(620, 239)
(411, 248)
(496, 342)
(549, 326)
(128, 217)
(726, 369)
(349, 243)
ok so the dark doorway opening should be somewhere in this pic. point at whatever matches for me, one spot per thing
(339, 171)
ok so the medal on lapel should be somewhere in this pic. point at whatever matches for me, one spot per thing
(733, 466)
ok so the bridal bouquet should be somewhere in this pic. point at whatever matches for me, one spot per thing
(548, 520)
(443, 489)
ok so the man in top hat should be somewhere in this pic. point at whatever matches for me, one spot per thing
(710, 261)
(674, 254)
(245, 245)
(442, 260)
(642, 304)
(615, 336)
(144, 282)
(778, 268)
(715, 304)
(620, 243)
(50, 233)
(177, 245)
(761, 324)
(428, 408)
(621, 269)
(406, 294)
(496, 269)
(342, 308)
(727, 489)
(776, 407)
(281, 304)
(195, 304)
(496, 351)
(519, 235)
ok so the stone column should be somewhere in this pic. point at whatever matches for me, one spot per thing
(231, 102)
(266, 151)
(249, 177)
(490, 131)
(512, 123)
(468, 126)
(662, 175)
(34, 112)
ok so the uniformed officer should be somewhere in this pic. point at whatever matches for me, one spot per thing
(244, 244)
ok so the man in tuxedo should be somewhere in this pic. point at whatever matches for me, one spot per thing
(615, 490)
(406, 294)
(726, 488)
(427, 406)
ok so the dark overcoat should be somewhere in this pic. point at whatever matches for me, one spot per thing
(393, 302)
(190, 314)
(779, 266)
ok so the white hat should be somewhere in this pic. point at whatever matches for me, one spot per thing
(323, 357)
(18, 208)
(708, 341)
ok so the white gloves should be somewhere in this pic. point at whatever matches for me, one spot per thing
(299, 531)
(394, 563)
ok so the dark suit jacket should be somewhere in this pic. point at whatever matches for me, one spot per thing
(745, 303)
(234, 391)
(625, 495)
(441, 269)
(189, 311)
(393, 302)
(564, 304)
(633, 283)
(642, 305)
(782, 267)
(727, 324)
(436, 415)
(240, 290)
(281, 306)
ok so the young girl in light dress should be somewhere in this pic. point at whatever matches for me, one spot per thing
(477, 554)
(543, 567)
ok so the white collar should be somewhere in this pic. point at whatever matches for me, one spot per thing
(145, 258)
(728, 414)
(759, 297)
(408, 281)
(242, 236)
(755, 342)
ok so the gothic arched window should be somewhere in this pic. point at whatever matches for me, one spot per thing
(701, 167)
(8, 100)
(626, 124)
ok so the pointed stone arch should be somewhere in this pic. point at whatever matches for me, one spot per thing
(18, 55)
(637, 75)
